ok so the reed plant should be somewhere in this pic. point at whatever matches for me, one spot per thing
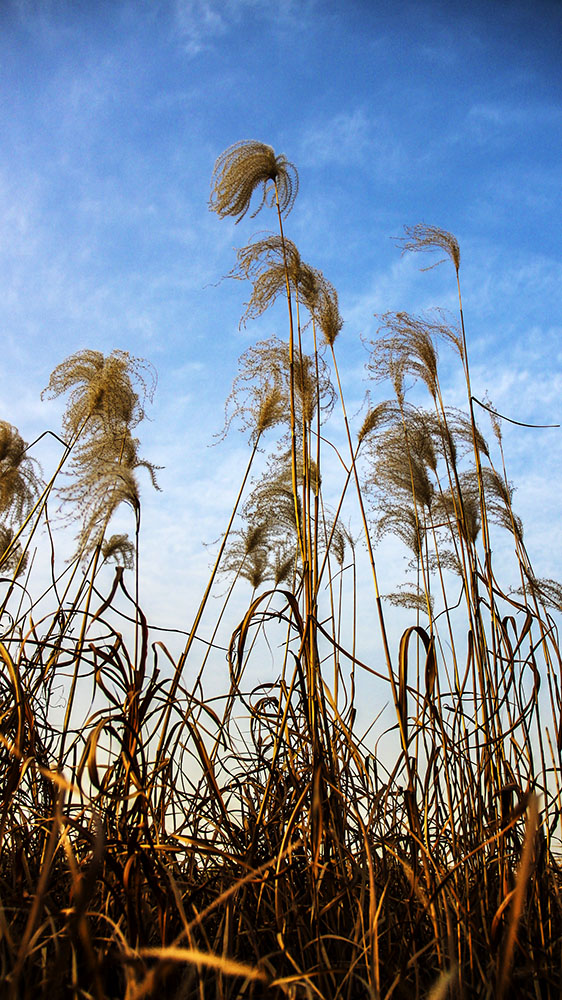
(158, 838)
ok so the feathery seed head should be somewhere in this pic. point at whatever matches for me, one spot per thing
(495, 419)
(245, 167)
(268, 263)
(120, 550)
(19, 482)
(255, 568)
(499, 497)
(263, 262)
(428, 238)
(101, 389)
(324, 307)
(547, 590)
(254, 537)
(340, 539)
(249, 547)
(400, 519)
(113, 486)
(103, 405)
(283, 565)
(12, 446)
(12, 561)
(457, 430)
(414, 600)
(408, 348)
(377, 416)
(271, 410)
(261, 389)
(463, 516)
(403, 458)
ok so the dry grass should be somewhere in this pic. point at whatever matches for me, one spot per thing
(164, 843)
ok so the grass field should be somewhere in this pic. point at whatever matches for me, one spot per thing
(157, 842)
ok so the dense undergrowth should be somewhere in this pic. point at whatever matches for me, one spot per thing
(163, 843)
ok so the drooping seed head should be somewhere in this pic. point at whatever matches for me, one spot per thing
(400, 520)
(413, 600)
(376, 417)
(323, 305)
(19, 482)
(101, 389)
(271, 410)
(246, 167)
(428, 238)
(267, 263)
(261, 388)
(547, 590)
(103, 405)
(120, 550)
(12, 560)
(283, 564)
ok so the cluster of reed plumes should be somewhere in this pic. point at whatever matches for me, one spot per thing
(157, 841)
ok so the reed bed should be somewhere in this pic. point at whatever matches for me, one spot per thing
(159, 841)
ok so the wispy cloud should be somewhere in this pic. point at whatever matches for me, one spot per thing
(201, 23)
(507, 115)
(342, 139)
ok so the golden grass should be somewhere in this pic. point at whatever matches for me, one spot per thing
(165, 841)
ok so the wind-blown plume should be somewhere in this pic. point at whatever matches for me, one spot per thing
(119, 549)
(101, 389)
(262, 386)
(245, 167)
(269, 263)
(408, 348)
(429, 238)
(103, 405)
(14, 560)
(19, 483)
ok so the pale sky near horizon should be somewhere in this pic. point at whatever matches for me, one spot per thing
(113, 114)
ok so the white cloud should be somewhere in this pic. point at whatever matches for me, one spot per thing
(345, 138)
(507, 115)
(201, 22)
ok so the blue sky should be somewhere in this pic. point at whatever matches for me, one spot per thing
(112, 116)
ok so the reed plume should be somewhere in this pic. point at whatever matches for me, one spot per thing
(408, 347)
(400, 520)
(272, 261)
(403, 459)
(255, 567)
(102, 477)
(499, 495)
(325, 309)
(259, 553)
(242, 544)
(11, 555)
(546, 590)
(267, 263)
(265, 373)
(101, 389)
(412, 600)
(19, 480)
(454, 434)
(426, 239)
(447, 505)
(103, 406)
(120, 550)
(244, 168)
(376, 417)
